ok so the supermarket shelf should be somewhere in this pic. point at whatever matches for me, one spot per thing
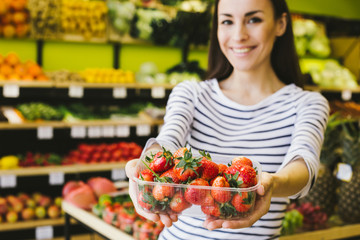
(322, 89)
(75, 168)
(81, 237)
(327, 234)
(28, 84)
(31, 224)
(94, 223)
(113, 85)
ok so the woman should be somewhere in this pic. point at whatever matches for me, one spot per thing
(251, 105)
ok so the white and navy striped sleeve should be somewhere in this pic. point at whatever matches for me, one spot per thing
(307, 138)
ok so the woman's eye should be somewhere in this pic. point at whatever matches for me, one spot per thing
(226, 22)
(254, 20)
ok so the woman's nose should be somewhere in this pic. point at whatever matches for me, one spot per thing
(241, 32)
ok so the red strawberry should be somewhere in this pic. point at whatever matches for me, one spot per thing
(208, 200)
(178, 203)
(196, 195)
(208, 169)
(221, 196)
(146, 175)
(163, 192)
(222, 168)
(241, 161)
(212, 210)
(171, 176)
(145, 200)
(180, 152)
(243, 201)
(162, 161)
(242, 176)
(186, 167)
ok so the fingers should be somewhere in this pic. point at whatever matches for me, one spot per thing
(261, 190)
(166, 220)
(130, 168)
(212, 224)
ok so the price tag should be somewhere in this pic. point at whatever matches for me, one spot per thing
(45, 132)
(346, 95)
(143, 130)
(344, 172)
(123, 131)
(44, 232)
(94, 132)
(8, 181)
(118, 174)
(78, 132)
(56, 178)
(108, 131)
(11, 91)
(158, 92)
(120, 92)
(76, 91)
(160, 127)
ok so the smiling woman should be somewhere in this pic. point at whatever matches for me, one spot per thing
(250, 105)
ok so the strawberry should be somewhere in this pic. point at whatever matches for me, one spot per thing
(212, 210)
(171, 176)
(208, 169)
(222, 168)
(180, 152)
(186, 167)
(208, 200)
(146, 175)
(242, 176)
(241, 161)
(161, 162)
(243, 201)
(178, 203)
(196, 195)
(163, 192)
(145, 200)
(221, 196)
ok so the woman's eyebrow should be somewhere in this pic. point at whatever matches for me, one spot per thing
(252, 13)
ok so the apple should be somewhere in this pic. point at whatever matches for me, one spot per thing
(58, 201)
(11, 216)
(28, 213)
(30, 203)
(44, 201)
(15, 203)
(53, 211)
(40, 212)
(23, 197)
(36, 196)
(3, 206)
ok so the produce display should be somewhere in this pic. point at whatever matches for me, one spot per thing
(118, 210)
(45, 18)
(85, 18)
(121, 14)
(113, 152)
(11, 68)
(182, 183)
(293, 220)
(64, 76)
(36, 111)
(85, 195)
(27, 207)
(14, 19)
(9, 162)
(107, 76)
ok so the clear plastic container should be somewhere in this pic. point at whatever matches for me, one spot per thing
(231, 203)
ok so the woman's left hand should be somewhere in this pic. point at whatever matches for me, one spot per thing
(262, 205)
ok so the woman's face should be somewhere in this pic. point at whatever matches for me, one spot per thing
(247, 31)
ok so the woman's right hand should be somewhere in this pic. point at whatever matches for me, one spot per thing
(166, 219)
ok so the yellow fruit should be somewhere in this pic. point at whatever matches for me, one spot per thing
(9, 162)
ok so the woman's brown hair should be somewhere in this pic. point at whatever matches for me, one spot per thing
(284, 59)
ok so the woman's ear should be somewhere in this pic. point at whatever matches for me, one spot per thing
(281, 25)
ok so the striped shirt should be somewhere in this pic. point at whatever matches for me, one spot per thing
(284, 126)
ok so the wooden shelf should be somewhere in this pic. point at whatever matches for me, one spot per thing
(30, 224)
(75, 168)
(28, 84)
(95, 223)
(113, 85)
(327, 234)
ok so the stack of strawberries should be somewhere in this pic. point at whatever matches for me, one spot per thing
(171, 183)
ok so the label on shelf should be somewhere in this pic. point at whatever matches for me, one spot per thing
(78, 132)
(11, 91)
(158, 92)
(76, 91)
(122, 131)
(108, 131)
(44, 232)
(8, 181)
(118, 174)
(143, 130)
(56, 178)
(346, 95)
(344, 172)
(94, 132)
(119, 92)
(45, 132)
